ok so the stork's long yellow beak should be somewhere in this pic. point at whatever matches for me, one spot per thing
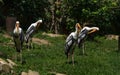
(78, 26)
(94, 30)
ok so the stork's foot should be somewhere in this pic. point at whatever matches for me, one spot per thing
(23, 62)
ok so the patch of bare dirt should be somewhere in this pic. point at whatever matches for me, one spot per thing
(7, 36)
(40, 41)
(111, 37)
(55, 73)
(52, 35)
(30, 72)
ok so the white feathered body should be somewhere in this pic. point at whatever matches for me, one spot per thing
(18, 37)
(83, 33)
(71, 43)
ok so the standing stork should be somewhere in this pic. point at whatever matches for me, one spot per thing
(31, 29)
(71, 42)
(18, 37)
(82, 35)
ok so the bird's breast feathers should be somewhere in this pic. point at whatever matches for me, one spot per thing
(17, 31)
(75, 36)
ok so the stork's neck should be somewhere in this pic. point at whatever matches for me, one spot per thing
(76, 32)
(17, 28)
(38, 24)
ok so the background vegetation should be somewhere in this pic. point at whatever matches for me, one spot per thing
(60, 16)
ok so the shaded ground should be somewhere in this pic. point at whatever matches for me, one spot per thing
(35, 40)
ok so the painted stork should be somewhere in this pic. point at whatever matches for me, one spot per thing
(31, 29)
(82, 35)
(18, 37)
(71, 42)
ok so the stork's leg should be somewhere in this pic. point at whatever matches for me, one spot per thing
(68, 56)
(31, 44)
(28, 44)
(73, 54)
(20, 56)
(83, 49)
(16, 56)
(73, 59)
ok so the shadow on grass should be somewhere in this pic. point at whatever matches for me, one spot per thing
(81, 54)
(70, 62)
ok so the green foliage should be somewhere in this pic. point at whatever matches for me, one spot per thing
(26, 11)
(1, 3)
(2, 39)
(101, 13)
(71, 24)
(97, 12)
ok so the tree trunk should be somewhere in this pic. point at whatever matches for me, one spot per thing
(56, 26)
(10, 24)
(53, 19)
(119, 43)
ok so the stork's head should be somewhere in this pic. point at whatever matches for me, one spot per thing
(93, 29)
(78, 27)
(17, 24)
(38, 23)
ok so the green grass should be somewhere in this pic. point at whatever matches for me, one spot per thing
(101, 58)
